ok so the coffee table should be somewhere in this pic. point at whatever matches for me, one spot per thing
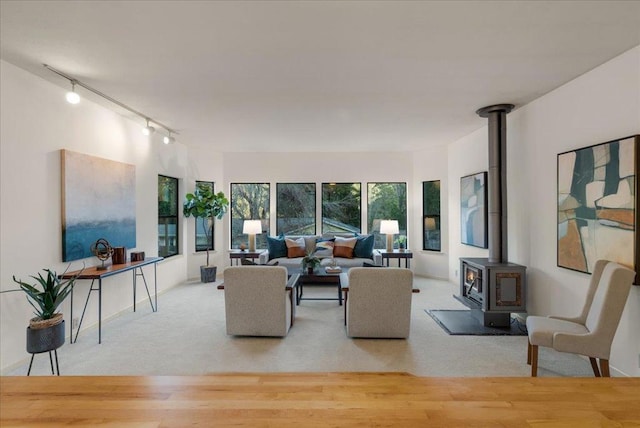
(319, 277)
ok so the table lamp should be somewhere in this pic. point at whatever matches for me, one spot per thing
(390, 227)
(252, 228)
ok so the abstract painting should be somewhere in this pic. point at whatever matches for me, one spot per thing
(98, 201)
(598, 205)
(473, 210)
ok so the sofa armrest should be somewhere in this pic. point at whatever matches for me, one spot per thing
(263, 258)
(377, 258)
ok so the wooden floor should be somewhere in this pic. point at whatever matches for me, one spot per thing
(318, 399)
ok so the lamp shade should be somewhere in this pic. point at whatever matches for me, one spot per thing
(389, 227)
(252, 227)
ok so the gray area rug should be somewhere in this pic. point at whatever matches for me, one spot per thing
(460, 323)
(187, 336)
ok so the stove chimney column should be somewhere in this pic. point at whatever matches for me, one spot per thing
(497, 180)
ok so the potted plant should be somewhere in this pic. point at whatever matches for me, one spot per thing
(402, 242)
(310, 262)
(203, 204)
(46, 329)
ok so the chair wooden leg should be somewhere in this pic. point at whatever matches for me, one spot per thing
(594, 366)
(528, 352)
(604, 367)
(534, 360)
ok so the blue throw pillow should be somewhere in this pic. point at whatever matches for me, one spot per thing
(277, 247)
(364, 246)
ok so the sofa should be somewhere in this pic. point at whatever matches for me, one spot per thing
(351, 250)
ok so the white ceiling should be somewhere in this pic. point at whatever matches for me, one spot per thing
(317, 75)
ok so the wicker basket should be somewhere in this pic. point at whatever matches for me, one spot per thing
(37, 322)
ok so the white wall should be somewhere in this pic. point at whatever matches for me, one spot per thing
(35, 123)
(601, 105)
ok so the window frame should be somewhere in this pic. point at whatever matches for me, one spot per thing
(162, 219)
(435, 214)
(315, 205)
(266, 228)
(381, 240)
(212, 242)
(359, 227)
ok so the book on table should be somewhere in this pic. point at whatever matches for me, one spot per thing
(333, 269)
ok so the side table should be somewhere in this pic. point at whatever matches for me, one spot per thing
(237, 255)
(397, 254)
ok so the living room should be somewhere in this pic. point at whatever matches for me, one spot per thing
(600, 105)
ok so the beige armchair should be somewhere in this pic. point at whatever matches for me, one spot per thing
(378, 302)
(259, 301)
(592, 332)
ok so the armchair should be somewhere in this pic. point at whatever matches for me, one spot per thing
(592, 332)
(259, 301)
(378, 302)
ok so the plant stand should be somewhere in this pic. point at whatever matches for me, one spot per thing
(45, 340)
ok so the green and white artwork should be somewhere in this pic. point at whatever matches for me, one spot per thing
(98, 201)
(598, 205)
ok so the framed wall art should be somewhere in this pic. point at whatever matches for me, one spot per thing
(98, 201)
(598, 205)
(473, 210)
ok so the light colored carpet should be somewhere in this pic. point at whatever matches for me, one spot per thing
(187, 337)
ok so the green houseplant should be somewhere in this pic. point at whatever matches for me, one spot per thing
(310, 262)
(46, 295)
(203, 204)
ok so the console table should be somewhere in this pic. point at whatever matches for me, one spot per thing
(397, 254)
(237, 255)
(93, 273)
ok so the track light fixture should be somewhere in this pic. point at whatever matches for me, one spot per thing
(148, 130)
(74, 98)
(168, 139)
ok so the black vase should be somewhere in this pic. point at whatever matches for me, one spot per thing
(45, 339)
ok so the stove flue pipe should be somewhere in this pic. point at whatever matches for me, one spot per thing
(497, 180)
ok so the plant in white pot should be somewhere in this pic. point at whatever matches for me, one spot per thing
(205, 205)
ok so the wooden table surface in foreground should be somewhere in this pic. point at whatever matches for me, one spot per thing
(318, 399)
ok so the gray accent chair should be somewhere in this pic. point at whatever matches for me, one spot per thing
(259, 300)
(591, 333)
(378, 302)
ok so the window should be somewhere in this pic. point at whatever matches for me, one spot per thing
(341, 207)
(431, 215)
(296, 208)
(249, 201)
(202, 223)
(386, 201)
(167, 216)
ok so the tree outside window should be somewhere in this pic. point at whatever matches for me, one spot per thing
(167, 216)
(386, 201)
(296, 208)
(249, 201)
(341, 209)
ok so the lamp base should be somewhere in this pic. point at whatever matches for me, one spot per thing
(389, 243)
(252, 243)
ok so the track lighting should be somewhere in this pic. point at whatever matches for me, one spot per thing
(72, 96)
(148, 130)
(168, 139)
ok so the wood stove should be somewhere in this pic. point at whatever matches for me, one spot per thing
(492, 287)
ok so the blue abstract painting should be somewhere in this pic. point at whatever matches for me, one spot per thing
(473, 210)
(98, 201)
